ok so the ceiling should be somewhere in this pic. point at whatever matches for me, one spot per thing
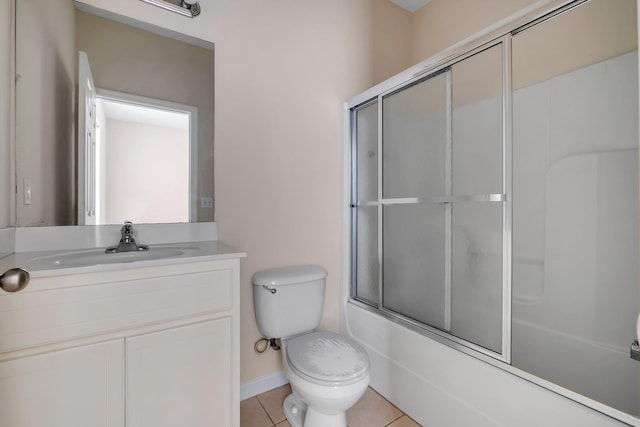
(147, 115)
(411, 5)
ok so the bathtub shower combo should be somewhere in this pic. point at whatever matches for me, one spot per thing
(494, 201)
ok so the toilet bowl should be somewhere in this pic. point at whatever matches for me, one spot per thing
(328, 372)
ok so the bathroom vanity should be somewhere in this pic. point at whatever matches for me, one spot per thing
(141, 343)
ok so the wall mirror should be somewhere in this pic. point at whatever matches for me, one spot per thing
(121, 164)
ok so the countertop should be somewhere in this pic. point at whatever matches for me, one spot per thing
(75, 261)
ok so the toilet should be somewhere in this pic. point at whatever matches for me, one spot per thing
(328, 372)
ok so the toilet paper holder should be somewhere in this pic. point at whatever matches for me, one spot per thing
(635, 350)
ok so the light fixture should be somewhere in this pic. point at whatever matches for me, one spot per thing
(192, 5)
(189, 8)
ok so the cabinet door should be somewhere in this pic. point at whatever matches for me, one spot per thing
(78, 387)
(180, 377)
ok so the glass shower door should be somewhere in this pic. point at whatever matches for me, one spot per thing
(414, 151)
(364, 206)
(443, 201)
(478, 189)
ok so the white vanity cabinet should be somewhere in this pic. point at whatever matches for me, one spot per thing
(180, 377)
(135, 345)
(80, 386)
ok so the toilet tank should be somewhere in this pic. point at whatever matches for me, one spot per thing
(288, 301)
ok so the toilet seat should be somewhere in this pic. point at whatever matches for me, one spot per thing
(327, 358)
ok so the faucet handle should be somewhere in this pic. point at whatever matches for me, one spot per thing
(127, 232)
(127, 242)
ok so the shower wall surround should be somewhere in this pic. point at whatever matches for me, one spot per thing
(548, 285)
(575, 230)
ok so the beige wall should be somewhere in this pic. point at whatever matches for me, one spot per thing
(283, 70)
(442, 23)
(45, 111)
(6, 157)
(401, 39)
(608, 32)
(391, 39)
(593, 32)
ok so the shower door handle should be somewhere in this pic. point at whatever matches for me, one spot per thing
(493, 197)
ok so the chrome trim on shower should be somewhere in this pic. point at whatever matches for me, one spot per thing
(448, 191)
(493, 197)
(436, 334)
(380, 302)
(507, 187)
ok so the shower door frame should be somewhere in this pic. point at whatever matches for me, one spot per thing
(504, 198)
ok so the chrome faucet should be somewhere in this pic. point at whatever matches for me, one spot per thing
(127, 242)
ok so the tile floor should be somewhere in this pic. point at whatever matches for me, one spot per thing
(372, 410)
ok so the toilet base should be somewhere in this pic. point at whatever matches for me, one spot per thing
(300, 415)
(294, 410)
(316, 419)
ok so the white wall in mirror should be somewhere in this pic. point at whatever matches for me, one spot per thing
(143, 162)
(126, 171)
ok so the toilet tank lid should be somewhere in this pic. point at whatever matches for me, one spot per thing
(289, 275)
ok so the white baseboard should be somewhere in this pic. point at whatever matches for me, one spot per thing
(262, 384)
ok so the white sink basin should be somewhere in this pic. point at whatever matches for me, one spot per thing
(99, 257)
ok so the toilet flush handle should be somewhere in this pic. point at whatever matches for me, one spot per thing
(272, 290)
